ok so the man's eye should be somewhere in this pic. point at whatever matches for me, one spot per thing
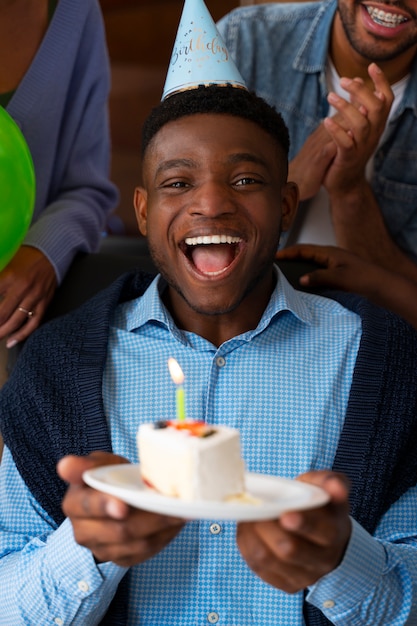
(173, 184)
(247, 180)
(177, 184)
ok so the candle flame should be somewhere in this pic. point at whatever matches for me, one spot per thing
(175, 371)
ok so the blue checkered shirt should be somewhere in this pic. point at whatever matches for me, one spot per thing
(285, 386)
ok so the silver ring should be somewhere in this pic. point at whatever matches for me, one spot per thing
(28, 313)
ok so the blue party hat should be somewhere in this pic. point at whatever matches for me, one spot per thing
(200, 56)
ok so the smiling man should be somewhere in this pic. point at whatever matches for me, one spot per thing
(343, 73)
(213, 211)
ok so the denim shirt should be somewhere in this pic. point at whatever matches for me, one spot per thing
(281, 51)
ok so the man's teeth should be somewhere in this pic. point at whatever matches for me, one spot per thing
(208, 239)
(391, 20)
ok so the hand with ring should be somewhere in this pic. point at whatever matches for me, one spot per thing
(27, 285)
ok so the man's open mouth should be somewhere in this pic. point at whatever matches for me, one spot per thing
(212, 255)
(385, 18)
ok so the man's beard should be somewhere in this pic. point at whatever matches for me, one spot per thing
(379, 50)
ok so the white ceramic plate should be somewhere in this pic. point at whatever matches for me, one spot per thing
(267, 496)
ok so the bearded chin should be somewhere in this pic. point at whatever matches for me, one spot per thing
(373, 52)
(164, 270)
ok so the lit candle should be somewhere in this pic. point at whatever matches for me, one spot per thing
(178, 378)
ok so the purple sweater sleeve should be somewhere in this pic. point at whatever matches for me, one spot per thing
(61, 106)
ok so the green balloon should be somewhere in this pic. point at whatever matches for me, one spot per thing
(17, 187)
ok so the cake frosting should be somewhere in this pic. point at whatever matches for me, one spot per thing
(191, 460)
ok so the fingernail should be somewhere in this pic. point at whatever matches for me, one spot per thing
(332, 97)
(345, 82)
(291, 521)
(113, 510)
(11, 342)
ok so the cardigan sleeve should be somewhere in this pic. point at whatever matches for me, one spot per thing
(52, 403)
(379, 438)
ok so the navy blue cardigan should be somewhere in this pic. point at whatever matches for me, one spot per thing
(52, 406)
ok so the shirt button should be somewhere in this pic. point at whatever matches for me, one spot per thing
(213, 617)
(215, 528)
(220, 361)
(58, 621)
(83, 586)
(328, 604)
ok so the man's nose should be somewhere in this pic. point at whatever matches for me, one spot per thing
(212, 199)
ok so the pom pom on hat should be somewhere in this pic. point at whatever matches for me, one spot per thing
(199, 56)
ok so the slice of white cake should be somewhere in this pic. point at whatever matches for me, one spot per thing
(191, 460)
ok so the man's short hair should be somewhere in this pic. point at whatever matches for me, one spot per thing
(222, 99)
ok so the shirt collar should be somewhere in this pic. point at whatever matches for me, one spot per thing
(284, 298)
(148, 308)
(312, 53)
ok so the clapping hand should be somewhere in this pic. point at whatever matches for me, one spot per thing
(336, 153)
(357, 128)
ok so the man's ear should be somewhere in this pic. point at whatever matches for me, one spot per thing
(289, 204)
(140, 202)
